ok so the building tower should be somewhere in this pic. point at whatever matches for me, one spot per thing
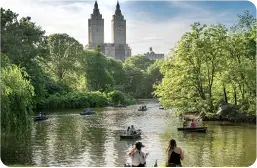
(118, 27)
(95, 28)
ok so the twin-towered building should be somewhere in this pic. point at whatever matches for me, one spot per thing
(118, 49)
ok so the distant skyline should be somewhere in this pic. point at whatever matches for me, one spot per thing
(156, 24)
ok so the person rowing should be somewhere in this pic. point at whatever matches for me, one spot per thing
(128, 131)
(41, 114)
(185, 124)
(193, 124)
(133, 130)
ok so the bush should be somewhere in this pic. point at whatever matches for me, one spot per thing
(75, 100)
(117, 97)
(129, 100)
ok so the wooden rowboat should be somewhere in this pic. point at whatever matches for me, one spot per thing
(193, 129)
(142, 109)
(87, 112)
(38, 118)
(137, 135)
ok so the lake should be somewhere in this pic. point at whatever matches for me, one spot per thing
(69, 139)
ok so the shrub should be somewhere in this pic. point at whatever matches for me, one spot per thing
(75, 100)
(117, 97)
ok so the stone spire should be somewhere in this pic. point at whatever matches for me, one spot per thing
(96, 27)
(96, 10)
(118, 11)
(118, 27)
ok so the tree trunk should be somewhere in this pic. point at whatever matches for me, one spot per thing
(225, 94)
(235, 99)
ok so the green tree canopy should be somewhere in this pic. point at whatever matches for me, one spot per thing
(139, 61)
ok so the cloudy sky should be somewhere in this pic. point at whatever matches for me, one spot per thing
(157, 24)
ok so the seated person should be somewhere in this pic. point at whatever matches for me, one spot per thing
(133, 130)
(193, 124)
(40, 114)
(197, 123)
(128, 131)
(185, 123)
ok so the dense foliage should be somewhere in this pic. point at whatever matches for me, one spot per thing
(16, 98)
(140, 76)
(54, 71)
(75, 100)
(210, 65)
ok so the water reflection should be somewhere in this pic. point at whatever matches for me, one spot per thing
(68, 139)
(15, 148)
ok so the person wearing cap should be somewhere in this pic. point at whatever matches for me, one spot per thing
(138, 157)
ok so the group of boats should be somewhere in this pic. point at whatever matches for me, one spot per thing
(185, 129)
(42, 116)
(141, 108)
(88, 111)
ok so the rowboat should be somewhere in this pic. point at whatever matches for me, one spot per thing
(162, 108)
(193, 129)
(87, 112)
(40, 118)
(137, 135)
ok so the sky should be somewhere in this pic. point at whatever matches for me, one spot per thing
(156, 24)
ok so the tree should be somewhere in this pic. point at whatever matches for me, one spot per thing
(189, 74)
(98, 76)
(22, 40)
(139, 61)
(65, 54)
(24, 43)
(115, 67)
(210, 65)
(133, 80)
(16, 98)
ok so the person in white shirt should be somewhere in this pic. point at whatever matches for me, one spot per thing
(138, 157)
(132, 130)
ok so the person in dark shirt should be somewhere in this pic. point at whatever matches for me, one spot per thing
(175, 154)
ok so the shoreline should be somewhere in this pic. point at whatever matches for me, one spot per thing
(244, 119)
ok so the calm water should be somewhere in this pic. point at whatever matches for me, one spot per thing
(68, 139)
